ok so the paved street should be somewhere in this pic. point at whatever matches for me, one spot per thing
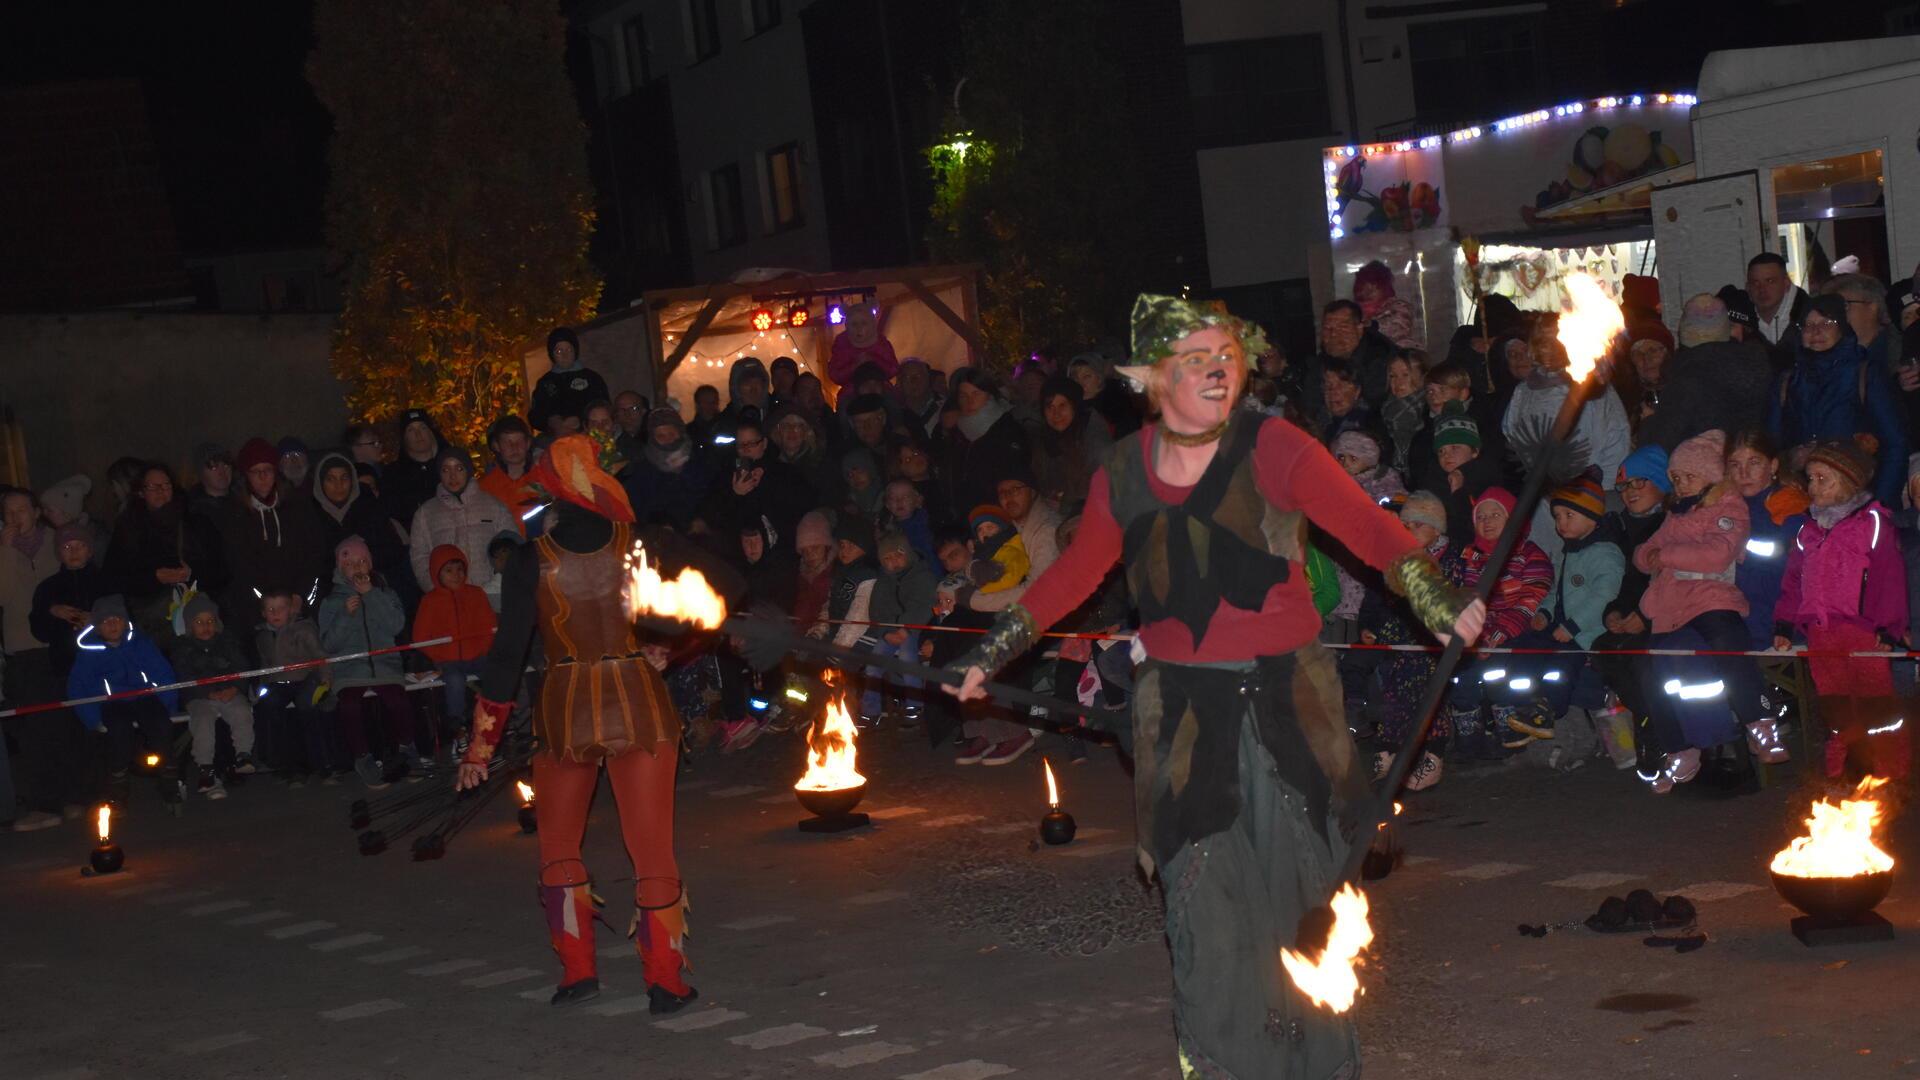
(248, 938)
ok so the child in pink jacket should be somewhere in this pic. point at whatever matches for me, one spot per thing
(1693, 602)
(1846, 591)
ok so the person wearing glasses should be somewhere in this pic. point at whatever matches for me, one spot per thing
(1835, 391)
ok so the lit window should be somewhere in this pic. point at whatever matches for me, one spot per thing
(783, 188)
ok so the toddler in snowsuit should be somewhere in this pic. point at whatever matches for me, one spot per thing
(208, 651)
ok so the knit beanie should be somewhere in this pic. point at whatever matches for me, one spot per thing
(990, 512)
(1647, 463)
(1704, 455)
(663, 416)
(855, 530)
(67, 499)
(1424, 508)
(1845, 457)
(560, 334)
(1496, 495)
(70, 532)
(866, 403)
(201, 603)
(293, 444)
(113, 606)
(352, 545)
(1376, 274)
(1582, 494)
(1704, 319)
(814, 530)
(895, 541)
(1455, 427)
(1739, 305)
(1358, 444)
(257, 451)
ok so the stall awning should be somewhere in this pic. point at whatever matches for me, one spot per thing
(1626, 200)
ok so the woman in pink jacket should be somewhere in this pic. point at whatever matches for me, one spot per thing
(1846, 591)
(1693, 602)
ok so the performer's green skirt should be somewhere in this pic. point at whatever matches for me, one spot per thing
(1246, 788)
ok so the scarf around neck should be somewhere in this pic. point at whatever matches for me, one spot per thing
(1829, 516)
(977, 425)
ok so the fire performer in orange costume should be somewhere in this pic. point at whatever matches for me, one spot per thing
(1247, 787)
(603, 704)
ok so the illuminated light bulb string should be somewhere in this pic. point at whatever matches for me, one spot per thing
(751, 348)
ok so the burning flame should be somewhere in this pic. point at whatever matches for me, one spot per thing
(526, 792)
(830, 761)
(1587, 329)
(1396, 812)
(1839, 840)
(1331, 981)
(153, 761)
(1053, 789)
(687, 597)
(103, 822)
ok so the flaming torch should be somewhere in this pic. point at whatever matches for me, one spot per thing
(1331, 980)
(832, 786)
(1586, 330)
(1836, 873)
(107, 857)
(686, 596)
(529, 819)
(1058, 826)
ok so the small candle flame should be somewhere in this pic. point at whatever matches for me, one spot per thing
(526, 792)
(1053, 789)
(103, 822)
(1589, 325)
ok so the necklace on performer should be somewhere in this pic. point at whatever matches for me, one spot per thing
(1198, 438)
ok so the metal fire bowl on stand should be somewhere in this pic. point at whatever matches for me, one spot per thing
(832, 810)
(1839, 910)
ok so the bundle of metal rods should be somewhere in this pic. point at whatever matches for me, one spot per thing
(434, 810)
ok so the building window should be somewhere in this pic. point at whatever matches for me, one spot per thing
(703, 19)
(762, 15)
(1469, 69)
(726, 206)
(1259, 90)
(783, 188)
(634, 49)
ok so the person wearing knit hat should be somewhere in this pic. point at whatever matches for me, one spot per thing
(814, 531)
(1456, 427)
(461, 513)
(115, 658)
(1424, 508)
(561, 397)
(1714, 381)
(857, 531)
(903, 594)
(1649, 463)
(213, 471)
(1705, 318)
(1849, 460)
(1581, 495)
(1703, 457)
(1837, 389)
(207, 651)
(1000, 559)
(1743, 324)
(65, 503)
(295, 462)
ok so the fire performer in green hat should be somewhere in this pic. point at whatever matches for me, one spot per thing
(1247, 787)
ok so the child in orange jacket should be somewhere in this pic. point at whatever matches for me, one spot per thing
(460, 611)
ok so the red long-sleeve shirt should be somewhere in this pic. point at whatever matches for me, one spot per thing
(1294, 473)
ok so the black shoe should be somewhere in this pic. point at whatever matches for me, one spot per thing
(576, 992)
(661, 1000)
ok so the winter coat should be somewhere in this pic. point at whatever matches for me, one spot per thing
(1064, 461)
(363, 516)
(1368, 364)
(1849, 575)
(1631, 531)
(973, 468)
(1014, 567)
(918, 529)
(668, 498)
(1774, 518)
(283, 546)
(782, 497)
(565, 393)
(74, 588)
(376, 625)
(218, 655)
(1517, 594)
(1908, 522)
(1586, 579)
(406, 484)
(462, 614)
(1602, 423)
(1039, 537)
(1698, 545)
(147, 541)
(1836, 395)
(468, 521)
(516, 495)
(20, 575)
(295, 643)
(1719, 385)
(850, 603)
(101, 668)
(905, 597)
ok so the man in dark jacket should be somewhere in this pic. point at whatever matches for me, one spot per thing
(747, 389)
(1345, 336)
(986, 446)
(411, 478)
(273, 538)
(1712, 382)
(1778, 305)
(562, 395)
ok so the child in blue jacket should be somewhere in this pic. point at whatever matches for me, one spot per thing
(113, 659)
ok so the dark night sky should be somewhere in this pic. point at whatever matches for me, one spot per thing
(241, 134)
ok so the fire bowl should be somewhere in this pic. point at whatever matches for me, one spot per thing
(107, 858)
(1835, 899)
(1057, 827)
(833, 803)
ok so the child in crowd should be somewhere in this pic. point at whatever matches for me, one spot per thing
(288, 707)
(500, 551)
(1404, 411)
(1517, 593)
(903, 593)
(1692, 602)
(1359, 452)
(850, 601)
(1402, 676)
(999, 554)
(907, 513)
(1846, 591)
(1463, 472)
(459, 611)
(360, 615)
(953, 550)
(115, 658)
(208, 651)
(861, 475)
(1643, 488)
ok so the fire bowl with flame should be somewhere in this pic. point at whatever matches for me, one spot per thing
(107, 857)
(832, 785)
(1836, 873)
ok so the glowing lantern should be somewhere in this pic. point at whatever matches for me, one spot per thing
(1588, 327)
(1331, 981)
(107, 857)
(762, 319)
(797, 317)
(529, 818)
(1057, 827)
(151, 761)
(687, 597)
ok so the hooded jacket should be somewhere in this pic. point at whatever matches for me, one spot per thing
(1835, 395)
(277, 544)
(105, 668)
(469, 521)
(1517, 594)
(376, 625)
(1586, 579)
(462, 614)
(218, 655)
(295, 643)
(775, 579)
(1852, 574)
(666, 487)
(1774, 518)
(362, 516)
(1698, 546)
(904, 597)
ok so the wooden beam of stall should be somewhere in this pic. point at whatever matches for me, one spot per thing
(692, 334)
(946, 315)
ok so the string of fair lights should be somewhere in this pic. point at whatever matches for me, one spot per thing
(765, 321)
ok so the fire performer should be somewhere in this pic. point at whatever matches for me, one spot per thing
(603, 703)
(1247, 785)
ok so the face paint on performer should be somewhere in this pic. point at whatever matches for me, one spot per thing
(1200, 380)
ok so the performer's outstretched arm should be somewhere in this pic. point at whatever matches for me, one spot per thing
(506, 664)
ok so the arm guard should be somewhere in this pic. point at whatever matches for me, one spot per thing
(1434, 602)
(1012, 634)
(489, 721)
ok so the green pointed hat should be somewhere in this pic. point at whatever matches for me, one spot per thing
(1159, 321)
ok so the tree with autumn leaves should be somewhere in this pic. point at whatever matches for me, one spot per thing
(458, 201)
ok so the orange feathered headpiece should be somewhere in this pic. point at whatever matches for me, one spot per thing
(570, 471)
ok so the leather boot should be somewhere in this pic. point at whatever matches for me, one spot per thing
(659, 935)
(569, 910)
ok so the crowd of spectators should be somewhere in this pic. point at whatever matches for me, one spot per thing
(1740, 482)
